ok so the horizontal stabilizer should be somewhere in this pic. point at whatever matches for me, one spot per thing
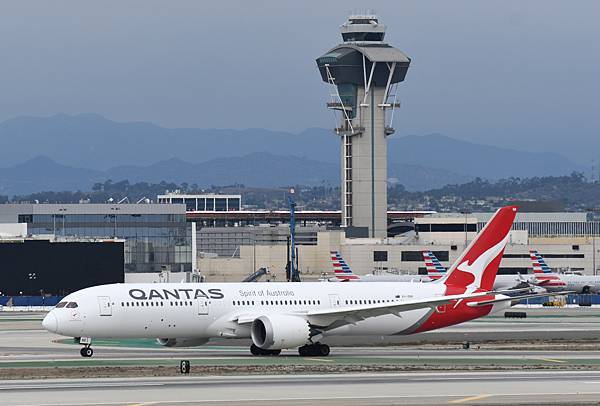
(517, 298)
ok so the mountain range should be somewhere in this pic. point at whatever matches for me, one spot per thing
(70, 152)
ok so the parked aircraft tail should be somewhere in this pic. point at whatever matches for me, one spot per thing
(341, 269)
(544, 275)
(435, 270)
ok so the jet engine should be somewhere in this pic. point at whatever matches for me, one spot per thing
(181, 342)
(279, 331)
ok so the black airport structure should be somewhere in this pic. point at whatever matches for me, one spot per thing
(45, 269)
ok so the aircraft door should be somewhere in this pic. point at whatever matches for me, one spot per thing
(105, 308)
(203, 305)
(334, 301)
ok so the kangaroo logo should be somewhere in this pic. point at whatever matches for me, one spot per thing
(478, 267)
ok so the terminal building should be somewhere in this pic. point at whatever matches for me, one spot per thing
(566, 240)
(157, 237)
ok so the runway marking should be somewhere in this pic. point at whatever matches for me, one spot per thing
(142, 404)
(469, 399)
(321, 359)
(552, 360)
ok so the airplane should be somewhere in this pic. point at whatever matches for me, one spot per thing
(343, 273)
(544, 276)
(553, 281)
(286, 315)
(435, 271)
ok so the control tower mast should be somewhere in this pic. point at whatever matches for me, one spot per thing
(363, 73)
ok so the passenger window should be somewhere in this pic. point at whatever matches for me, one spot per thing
(71, 305)
(61, 304)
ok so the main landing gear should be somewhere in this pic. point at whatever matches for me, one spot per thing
(314, 350)
(262, 352)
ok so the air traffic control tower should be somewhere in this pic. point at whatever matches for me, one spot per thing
(363, 73)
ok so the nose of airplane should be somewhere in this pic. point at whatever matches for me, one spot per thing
(50, 322)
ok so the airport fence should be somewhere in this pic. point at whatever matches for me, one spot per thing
(29, 301)
(579, 300)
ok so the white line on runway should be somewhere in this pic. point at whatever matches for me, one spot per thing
(316, 398)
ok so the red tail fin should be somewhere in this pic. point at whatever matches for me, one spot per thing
(478, 265)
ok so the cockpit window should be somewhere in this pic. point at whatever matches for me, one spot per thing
(61, 304)
(71, 305)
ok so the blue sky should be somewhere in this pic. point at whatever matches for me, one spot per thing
(520, 74)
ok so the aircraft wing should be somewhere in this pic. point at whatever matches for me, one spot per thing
(517, 298)
(336, 317)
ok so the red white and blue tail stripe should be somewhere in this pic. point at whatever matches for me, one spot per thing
(539, 265)
(435, 269)
(341, 269)
(543, 273)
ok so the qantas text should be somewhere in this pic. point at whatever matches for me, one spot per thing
(166, 294)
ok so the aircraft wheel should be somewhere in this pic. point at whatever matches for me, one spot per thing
(304, 351)
(323, 350)
(257, 351)
(254, 350)
(86, 352)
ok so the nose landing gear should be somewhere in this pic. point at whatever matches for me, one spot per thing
(86, 351)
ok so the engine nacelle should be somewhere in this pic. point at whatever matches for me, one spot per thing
(279, 331)
(181, 342)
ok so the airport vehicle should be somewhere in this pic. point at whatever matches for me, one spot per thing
(557, 282)
(280, 316)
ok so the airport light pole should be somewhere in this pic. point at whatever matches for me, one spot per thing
(593, 232)
(466, 213)
(294, 277)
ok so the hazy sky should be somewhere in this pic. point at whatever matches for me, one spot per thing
(515, 73)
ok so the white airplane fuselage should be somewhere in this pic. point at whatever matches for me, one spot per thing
(205, 310)
(581, 283)
(502, 282)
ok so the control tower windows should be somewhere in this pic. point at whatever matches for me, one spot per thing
(362, 36)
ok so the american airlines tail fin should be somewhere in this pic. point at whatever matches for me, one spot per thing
(543, 274)
(435, 270)
(478, 265)
(341, 269)
(539, 265)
